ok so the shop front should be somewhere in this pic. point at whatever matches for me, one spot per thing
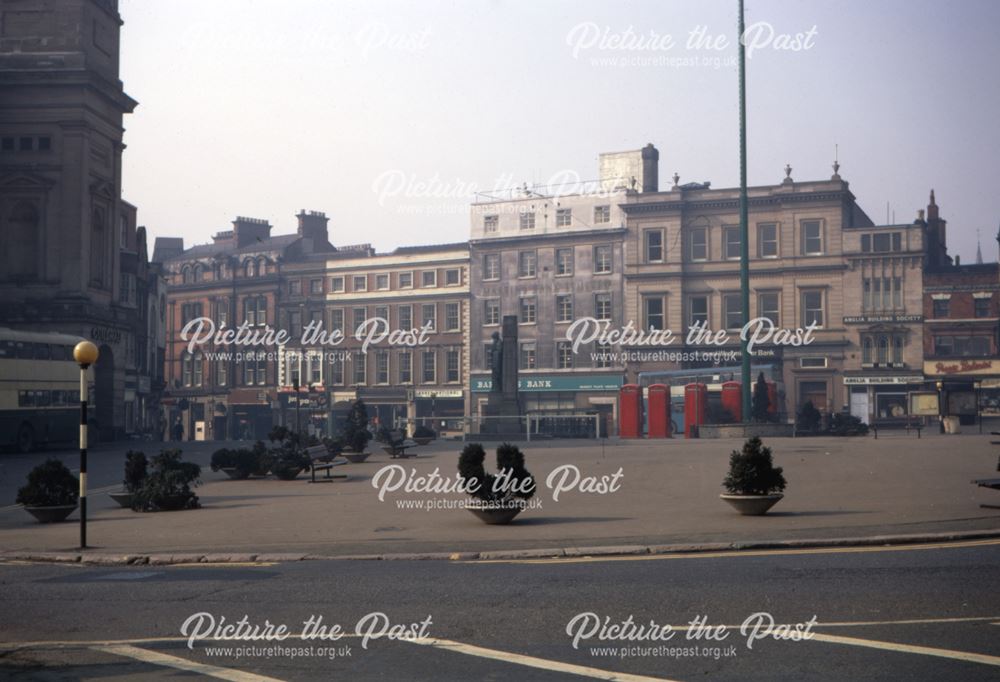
(969, 388)
(306, 411)
(881, 398)
(249, 414)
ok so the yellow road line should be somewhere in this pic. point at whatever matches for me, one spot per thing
(966, 656)
(743, 553)
(533, 662)
(177, 663)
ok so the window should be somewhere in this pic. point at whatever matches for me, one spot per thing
(732, 311)
(295, 287)
(405, 317)
(981, 307)
(602, 259)
(813, 362)
(316, 318)
(315, 368)
(654, 316)
(255, 369)
(7, 144)
(812, 238)
(963, 346)
(603, 355)
(25, 144)
(654, 246)
(698, 310)
(382, 311)
(814, 392)
(564, 308)
(428, 278)
(602, 306)
(44, 144)
(221, 373)
(405, 280)
(491, 224)
(812, 308)
(382, 367)
(941, 308)
(602, 214)
(452, 370)
(897, 241)
(315, 286)
(731, 243)
(295, 323)
(527, 220)
(429, 365)
(699, 244)
(453, 277)
(767, 240)
(451, 317)
(337, 369)
(222, 312)
(767, 306)
(123, 232)
(382, 281)
(428, 316)
(255, 311)
(360, 283)
(360, 368)
(337, 319)
(336, 284)
(190, 311)
(186, 368)
(491, 266)
(491, 311)
(564, 355)
(882, 242)
(564, 262)
(359, 316)
(527, 308)
(866, 243)
(527, 263)
(526, 355)
(405, 367)
(564, 217)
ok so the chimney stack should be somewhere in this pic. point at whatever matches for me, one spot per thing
(312, 225)
(250, 230)
(650, 168)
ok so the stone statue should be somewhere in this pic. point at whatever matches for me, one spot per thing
(496, 362)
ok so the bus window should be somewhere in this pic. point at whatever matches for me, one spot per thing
(23, 350)
(42, 351)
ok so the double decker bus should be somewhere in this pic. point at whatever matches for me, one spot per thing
(39, 390)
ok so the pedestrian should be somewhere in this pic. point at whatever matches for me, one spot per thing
(178, 430)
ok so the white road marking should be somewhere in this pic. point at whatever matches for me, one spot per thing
(157, 658)
(533, 662)
(966, 656)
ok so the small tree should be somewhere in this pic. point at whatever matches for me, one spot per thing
(809, 418)
(761, 402)
(752, 471)
(512, 481)
(50, 484)
(168, 485)
(136, 470)
(356, 433)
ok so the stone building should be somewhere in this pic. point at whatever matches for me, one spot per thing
(553, 256)
(73, 260)
(386, 299)
(682, 254)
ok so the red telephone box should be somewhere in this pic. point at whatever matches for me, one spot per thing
(630, 411)
(695, 408)
(659, 411)
(772, 398)
(732, 399)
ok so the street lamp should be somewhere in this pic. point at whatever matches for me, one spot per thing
(85, 353)
(295, 385)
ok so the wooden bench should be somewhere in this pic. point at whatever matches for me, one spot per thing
(321, 460)
(399, 448)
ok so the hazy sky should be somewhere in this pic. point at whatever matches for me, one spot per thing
(388, 115)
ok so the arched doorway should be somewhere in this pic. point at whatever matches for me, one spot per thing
(104, 393)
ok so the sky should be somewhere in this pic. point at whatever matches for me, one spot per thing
(390, 115)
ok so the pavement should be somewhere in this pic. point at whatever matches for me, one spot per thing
(897, 488)
(916, 613)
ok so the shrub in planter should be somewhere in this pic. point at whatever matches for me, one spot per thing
(383, 435)
(168, 485)
(809, 418)
(334, 446)
(754, 478)
(508, 488)
(356, 434)
(136, 470)
(289, 461)
(424, 432)
(239, 464)
(847, 425)
(51, 492)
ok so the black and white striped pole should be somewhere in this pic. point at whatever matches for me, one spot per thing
(85, 353)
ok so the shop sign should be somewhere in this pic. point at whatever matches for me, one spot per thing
(448, 393)
(867, 381)
(970, 366)
(556, 382)
(874, 319)
(106, 334)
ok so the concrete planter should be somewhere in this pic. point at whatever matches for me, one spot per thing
(493, 514)
(356, 457)
(123, 498)
(422, 440)
(51, 514)
(236, 474)
(752, 505)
